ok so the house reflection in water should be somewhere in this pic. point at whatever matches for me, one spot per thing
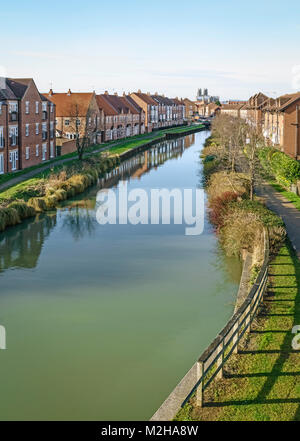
(20, 246)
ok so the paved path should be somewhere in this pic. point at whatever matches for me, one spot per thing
(285, 209)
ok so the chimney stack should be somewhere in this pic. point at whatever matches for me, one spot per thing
(50, 92)
(139, 91)
(106, 92)
(148, 93)
(69, 92)
(116, 93)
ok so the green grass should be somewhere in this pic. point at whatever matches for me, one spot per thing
(262, 382)
(117, 147)
(114, 147)
(290, 196)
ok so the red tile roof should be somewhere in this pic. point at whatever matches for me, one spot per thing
(73, 104)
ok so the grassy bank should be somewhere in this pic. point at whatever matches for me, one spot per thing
(116, 147)
(262, 382)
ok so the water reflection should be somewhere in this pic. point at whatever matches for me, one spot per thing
(21, 246)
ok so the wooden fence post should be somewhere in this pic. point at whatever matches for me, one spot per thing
(200, 391)
(220, 360)
(236, 336)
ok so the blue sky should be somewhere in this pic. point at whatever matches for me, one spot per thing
(234, 48)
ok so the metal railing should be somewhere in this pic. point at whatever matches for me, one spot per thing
(210, 364)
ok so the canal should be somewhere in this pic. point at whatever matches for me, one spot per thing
(103, 321)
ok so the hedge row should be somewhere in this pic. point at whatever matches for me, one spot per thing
(285, 169)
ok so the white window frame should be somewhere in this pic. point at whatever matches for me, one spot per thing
(37, 150)
(27, 107)
(51, 149)
(36, 107)
(26, 129)
(37, 130)
(27, 153)
(44, 152)
(1, 163)
(1, 137)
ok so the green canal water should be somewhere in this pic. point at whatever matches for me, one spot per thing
(103, 321)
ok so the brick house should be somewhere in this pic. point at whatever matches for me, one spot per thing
(178, 111)
(166, 109)
(27, 125)
(77, 115)
(208, 109)
(190, 109)
(252, 111)
(122, 116)
(281, 123)
(150, 108)
(232, 109)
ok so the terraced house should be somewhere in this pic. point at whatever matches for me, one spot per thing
(123, 117)
(281, 123)
(27, 125)
(150, 108)
(77, 115)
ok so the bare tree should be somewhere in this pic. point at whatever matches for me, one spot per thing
(250, 162)
(84, 129)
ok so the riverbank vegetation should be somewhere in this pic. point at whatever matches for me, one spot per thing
(230, 159)
(115, 147)
(44, 193)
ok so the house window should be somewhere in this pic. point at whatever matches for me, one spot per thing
(37, 152)
(67, 122)
(27, 152)
(1, 163)
(13, 135)
(27, 130)
(27, 107)
(51, 107)
(44, 106)
(36, 128)
(78, 122)
(44, 150)
(13, 107)
(51, 149)
(1, 138)
(0, 108)
(36, 107)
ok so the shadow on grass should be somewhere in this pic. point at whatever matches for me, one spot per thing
(284, 352)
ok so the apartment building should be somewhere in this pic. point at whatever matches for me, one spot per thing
(178, 111)
(27, 125)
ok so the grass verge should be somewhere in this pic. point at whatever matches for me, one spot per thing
(262, 381)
